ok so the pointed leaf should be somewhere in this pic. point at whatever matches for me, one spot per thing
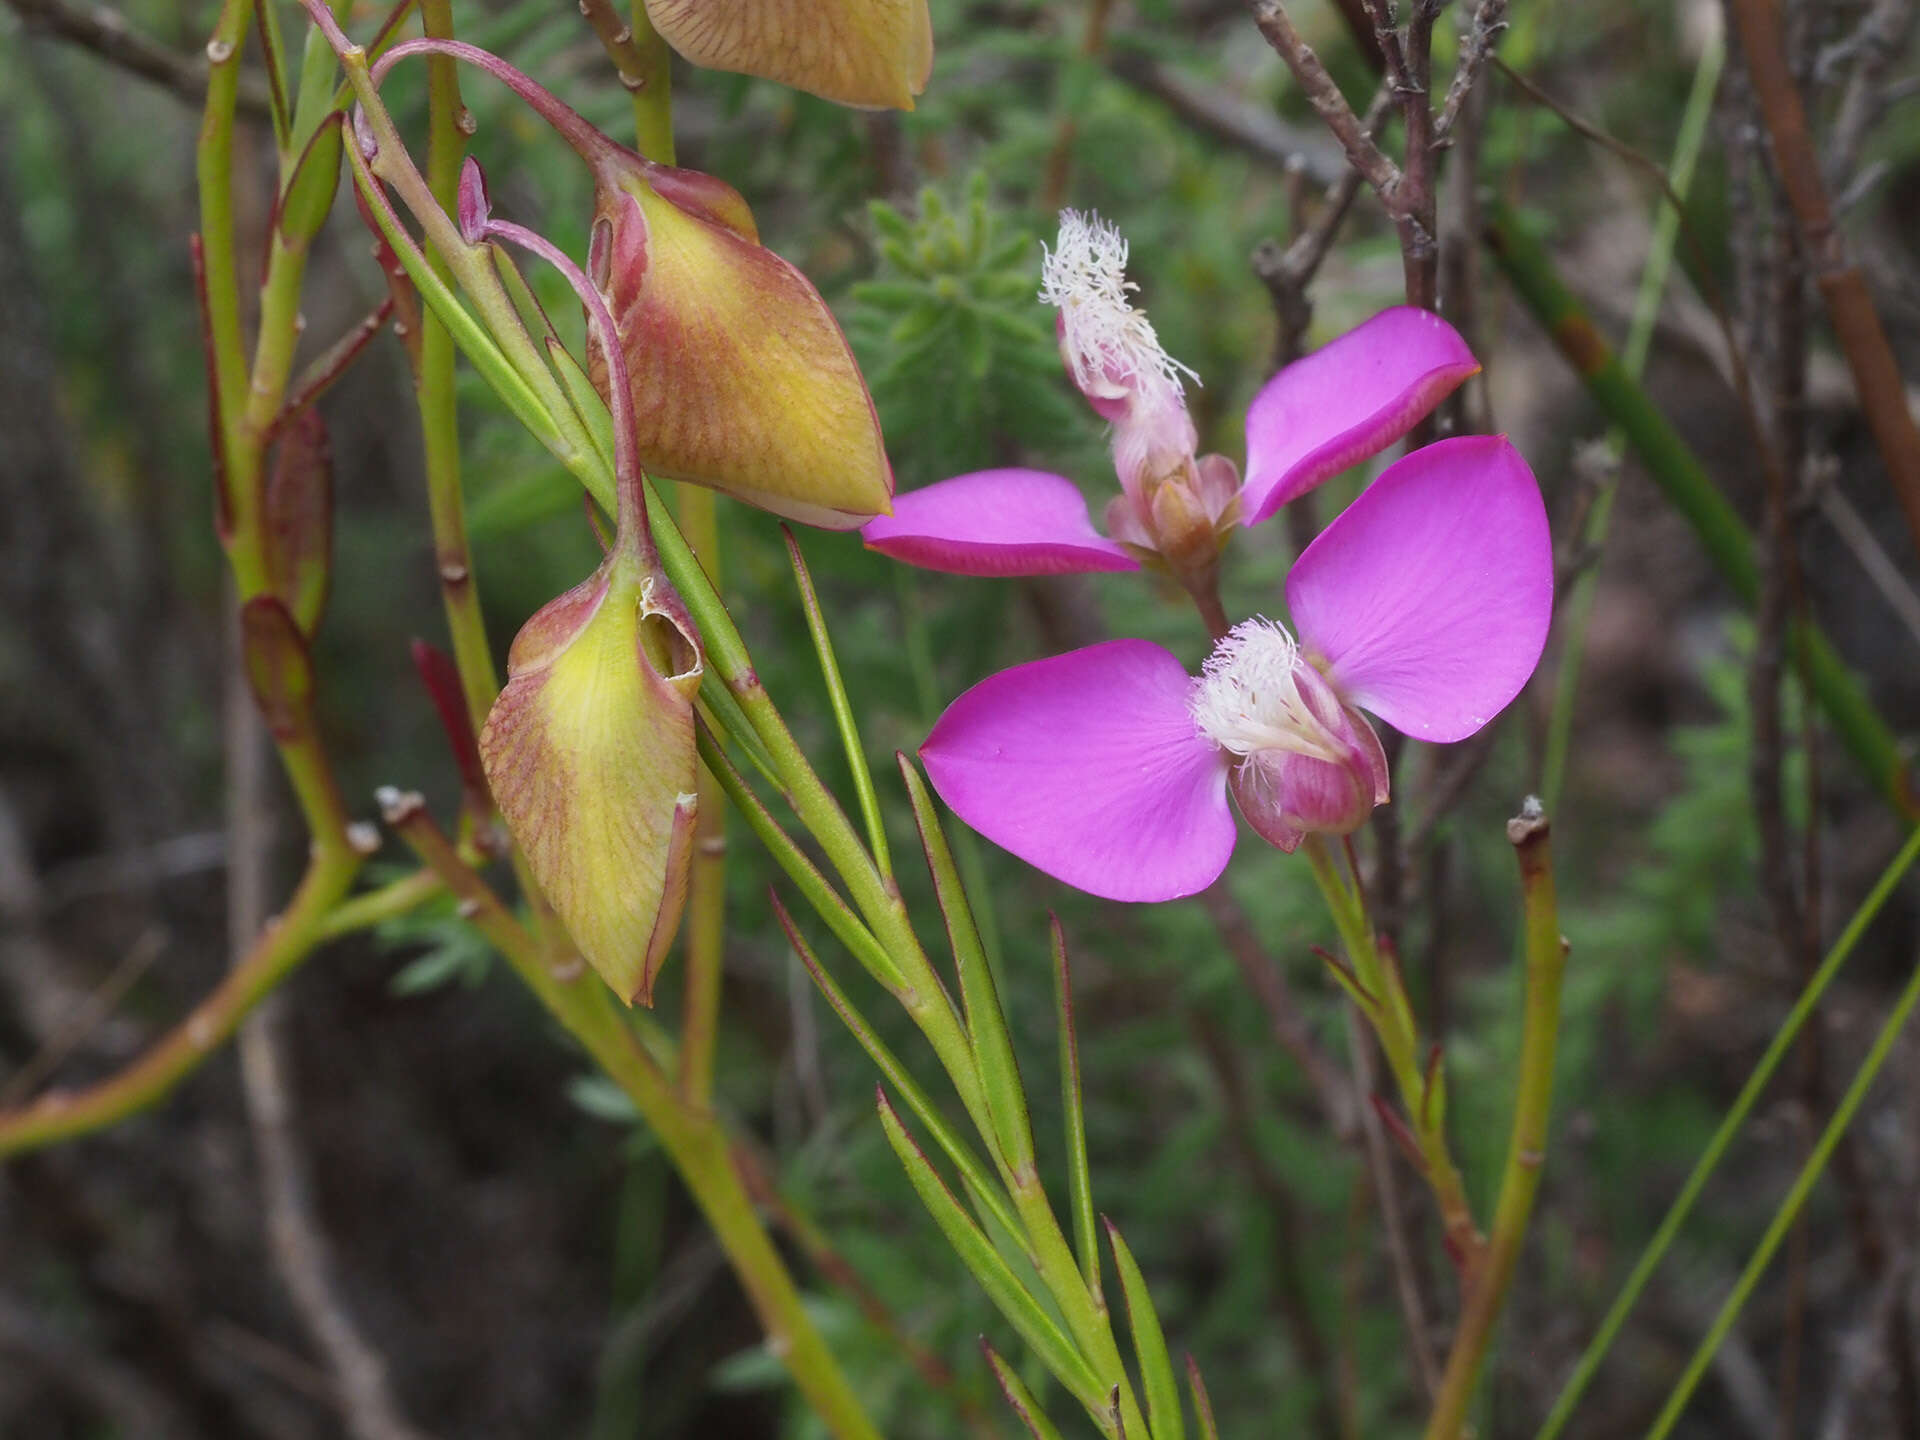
(986, 1023)
(976, 1252)
(1202, 1402)
(1164, 1417)
(1079, 1174)
(1025, 1408)
(309, 192)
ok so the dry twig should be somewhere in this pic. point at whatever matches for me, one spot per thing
(107, 34)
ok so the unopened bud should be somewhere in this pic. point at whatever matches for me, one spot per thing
(870, 53)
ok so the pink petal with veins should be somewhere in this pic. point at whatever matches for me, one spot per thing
(996, 522)
(1089, 766)
(1428, 599)
(1350, 399)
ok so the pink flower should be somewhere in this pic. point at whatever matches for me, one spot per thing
(1347, 401)
(1426, 602)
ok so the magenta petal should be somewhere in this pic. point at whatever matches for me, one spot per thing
(1428, 598)
(1088, 766)
(996, 522)
(1347, 400)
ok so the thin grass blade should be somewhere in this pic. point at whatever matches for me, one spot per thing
(1164, 1416)
(986, 1021)
(1053, 1347)
(843, 716)
(1019, 1399)
(1079, 1174)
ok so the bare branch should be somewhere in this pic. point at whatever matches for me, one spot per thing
(107, 34)
(1476, 48)
(1331, 106)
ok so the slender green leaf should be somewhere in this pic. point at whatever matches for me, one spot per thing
(1704, 1167)
(587, 404)
(1025, 1408)
(977, 1253)
(1164, 1416)
(986, 1022)
(843, 716)
(895, 1074)
(1202, 1402)
(820, 894)
(1079, 1174)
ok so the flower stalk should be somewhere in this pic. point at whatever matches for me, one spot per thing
(1546, 952)
(1377, 987)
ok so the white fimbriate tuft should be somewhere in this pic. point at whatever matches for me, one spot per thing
(1108, 342)
(1247, 699)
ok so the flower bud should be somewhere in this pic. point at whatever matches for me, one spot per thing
(873, 53)
(589, 752)
(741, 378)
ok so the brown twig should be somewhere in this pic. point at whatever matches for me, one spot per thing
(1251, 129)
(300, 1249)
(1283, 1208)
(1873, 48)
(1850, 309)
(1476, 48)
(1329, 104)
(107, 34)
(1264, 978)
(1393, 1215)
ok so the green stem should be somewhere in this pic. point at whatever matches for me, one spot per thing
(1704, 1167)
(66, 1114)
(693, 1137)
(1789, 1211)
(1646, 312)
(439, 416)
(376, 907)
(652, 89)
(1383, 1000)
(1526, 1147)
(706, 913)
(1679, 473)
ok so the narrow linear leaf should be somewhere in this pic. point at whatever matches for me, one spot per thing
(843, 717)
(1202, 1402)
(1164, 1417)
(972, 1171)
(474, 342)
(1055, 1350)
(1019, 1399)
(820, 893)
(986, 1022)
(1079, 1173)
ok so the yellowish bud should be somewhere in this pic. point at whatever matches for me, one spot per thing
(873, 53)
(589, 752)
